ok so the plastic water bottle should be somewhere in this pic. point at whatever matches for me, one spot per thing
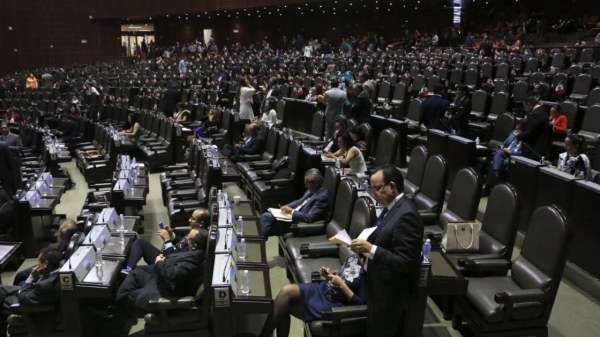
(220, 195)
(477, 141)
(241, 249)
(338, 165)
(240, 226)
(543, 160)
(50, 180)
(121, 230)
(426, 250)
(44, 189)
(99, 261)
(245, 284)
(36, 200)
(225, 166)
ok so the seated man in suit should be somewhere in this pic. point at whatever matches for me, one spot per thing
(9, 138)
(252, 144)
(510, 147)
(311, 207)
(176, 275)
(41, 287)
(200, 218)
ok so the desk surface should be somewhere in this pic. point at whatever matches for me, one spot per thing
(7, 249)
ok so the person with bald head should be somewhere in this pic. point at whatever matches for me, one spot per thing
(200, 218)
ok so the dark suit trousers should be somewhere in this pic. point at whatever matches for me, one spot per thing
(139, 287)
(142, 249)
(8, 296)
(272, 227)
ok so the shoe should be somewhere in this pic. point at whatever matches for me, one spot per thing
(127, 270)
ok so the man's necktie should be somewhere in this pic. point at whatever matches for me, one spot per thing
(380, 217)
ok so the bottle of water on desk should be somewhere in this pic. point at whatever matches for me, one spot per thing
(242, 249)
(50, 179)
(426, 250)
(44, 189)
(99, 261)
(477, 141)
(225, 166)
(121, 229)
(239, 231)
(245, 284)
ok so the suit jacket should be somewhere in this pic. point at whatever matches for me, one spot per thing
(460, 120)
(7, 170)
(536, 134)
(393, 273)
(361, 109)
(433, 111)
(334, 98)
(180, 274)
(6, 216)
(12, 140)
(314, 210)
(254, 146)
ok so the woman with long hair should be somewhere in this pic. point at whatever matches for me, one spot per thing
(245, 92)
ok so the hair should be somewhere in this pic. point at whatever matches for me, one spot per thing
(4, 197)
(67, 228)
(363, 74)
(358, 132)
(204, 215)
(335, 83)
(52, 256)
(314, 175)
(392, 174)
(463, 88)
(348, 141)
(201, 238)
(557, 108)
(578, 142)
(437, 89)
(134, 117)
(530, 100)
(358, 87)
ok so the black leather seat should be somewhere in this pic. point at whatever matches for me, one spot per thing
(520, 304)
(387, 140)
(462, 204)
(430, 198)
(414, 174)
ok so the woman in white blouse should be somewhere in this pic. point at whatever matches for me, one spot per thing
(349, 155)
(269, 114)
(245, 91)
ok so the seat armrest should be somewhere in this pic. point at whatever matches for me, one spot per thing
(260, 166)
(480, 257)
(172, 168)
(37, 308)
(308, 229)
(428, 216)
(265, 175)
(277, 182)
(250, 157)
(337, 314)
(98, 186)
(487, 266)
(319, 250)
(520, 296)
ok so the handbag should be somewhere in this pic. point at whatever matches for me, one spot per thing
(461, 237)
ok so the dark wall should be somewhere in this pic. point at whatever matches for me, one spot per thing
(49, 33)
(390, 25)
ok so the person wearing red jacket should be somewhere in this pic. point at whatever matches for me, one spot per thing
(558, 122)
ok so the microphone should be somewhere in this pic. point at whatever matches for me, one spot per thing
(225, 268)
(226, 236)
(532, 150)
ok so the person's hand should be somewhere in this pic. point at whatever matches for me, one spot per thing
(36, 271)
(286, 209)
(166, 234)
(324, 271)
(159, 258)
(505, 149)
(237, 146)
(335, 280)
(360, 246)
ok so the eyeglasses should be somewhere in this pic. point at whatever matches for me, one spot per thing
(379, 187)
(195, 219)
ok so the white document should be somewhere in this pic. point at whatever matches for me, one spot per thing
(341, 237)
(279, 215)
(366, 233)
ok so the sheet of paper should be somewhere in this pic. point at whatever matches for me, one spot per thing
(366, 233)
(279, 215)
(341, 237)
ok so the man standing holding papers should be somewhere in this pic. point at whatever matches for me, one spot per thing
(311, 207)
(393, 255)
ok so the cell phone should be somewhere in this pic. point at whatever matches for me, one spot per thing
(161, 225)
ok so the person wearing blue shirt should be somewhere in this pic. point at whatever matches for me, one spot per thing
(510, 147)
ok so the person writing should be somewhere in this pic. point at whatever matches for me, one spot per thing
(393, 253)
(311, 207)
(348, 154)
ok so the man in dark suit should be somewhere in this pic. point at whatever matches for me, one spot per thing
(6, 212)
(200, 218)
(41, 287)
(462, 111)
(361, 103)
(171, 97)
(311, 207)
(433, 110)
(7, 170)
(393, 255)
(252, 144)
(177, 275)
(9, 138)
(536, 134)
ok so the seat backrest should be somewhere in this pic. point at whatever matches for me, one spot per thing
(499, 223)
(387, 143)
(479, 101)
(504, 125)
(582, 85)
(331, 181)
(271, 143)
(586, 56)
(399, 91)
(536, 78)
(569, 108)
(591, 119)
(414, 110)
(283, 145)
(342, 214)
(499, 103)
(363, 216)
(502, 71)
(416, 167)
(559, 78)
(203, 295)
(464, 196)
(486, 70)
(318, 124)
(366, 130)
(544, 253)
(471, 77)
(280, 109)
(531, 65)
(433, 187)
(520, 91)
(384, 90)
(594, 96)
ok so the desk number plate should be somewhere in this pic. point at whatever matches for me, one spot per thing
(221, 297)
(66, 282)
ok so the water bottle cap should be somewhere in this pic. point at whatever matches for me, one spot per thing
(427, 241)
(240, 217)
(243, 240)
